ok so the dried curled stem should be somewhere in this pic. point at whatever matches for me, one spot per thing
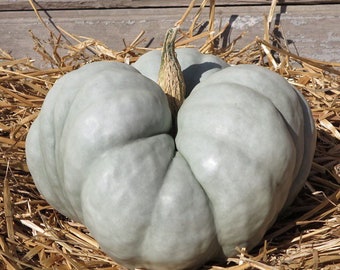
(170, 77)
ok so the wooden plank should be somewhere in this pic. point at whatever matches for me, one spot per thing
(11, 5)
(312, 32)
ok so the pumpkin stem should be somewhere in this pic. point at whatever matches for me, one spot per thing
(170, 77)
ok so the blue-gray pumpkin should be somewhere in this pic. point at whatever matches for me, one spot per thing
(100, 153)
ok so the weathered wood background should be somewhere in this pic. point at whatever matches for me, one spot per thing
(312, 28)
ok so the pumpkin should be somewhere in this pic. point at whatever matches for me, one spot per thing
(101, 154)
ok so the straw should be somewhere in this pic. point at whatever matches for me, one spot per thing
(35, 236)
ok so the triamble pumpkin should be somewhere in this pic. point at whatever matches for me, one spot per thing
(100, 153)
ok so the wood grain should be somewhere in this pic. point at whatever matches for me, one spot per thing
(312, 31)
(11, 5)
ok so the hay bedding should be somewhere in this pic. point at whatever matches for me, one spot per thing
(35, 236)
